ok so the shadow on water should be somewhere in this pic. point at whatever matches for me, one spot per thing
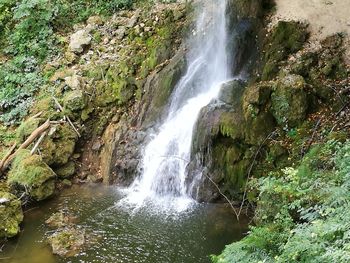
(189, 237)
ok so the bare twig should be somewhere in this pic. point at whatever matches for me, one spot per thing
(68, 119)
(227, 199)
(312, 137)
(37, 115)
(250, 171)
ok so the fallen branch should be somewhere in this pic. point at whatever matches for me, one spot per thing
(7, 155)
(36, 115)
(68, 119)
(37, 132)
(41, 138)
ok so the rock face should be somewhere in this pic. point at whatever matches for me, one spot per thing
(31, 174)
(215, 147)
(79, 40)
(11, 215)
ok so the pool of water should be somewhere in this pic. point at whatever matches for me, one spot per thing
(126, 236)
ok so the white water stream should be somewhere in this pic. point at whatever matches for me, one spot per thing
(167, 154)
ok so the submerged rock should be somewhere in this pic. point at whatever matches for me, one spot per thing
(11, 215)
(60, 219)
(29, 172)
(67, 242)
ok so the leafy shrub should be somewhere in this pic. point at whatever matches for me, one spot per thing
(303, 212)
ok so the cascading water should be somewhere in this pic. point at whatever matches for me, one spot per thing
(167, 154)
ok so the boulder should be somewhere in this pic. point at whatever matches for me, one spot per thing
(29, 172)
(289, 100)
(79, 40)
(60, 219)
(57, 148)
(11, 215)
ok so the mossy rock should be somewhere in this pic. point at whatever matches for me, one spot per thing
(290, 100)
(231, 125)
(231, 93)
(67, 242)
(230, 165)
(26, 128)
(74, 100)
(287, 37)
(57, 148)
(255, 99)
(46, 105)
(11, 215)
(258, 128)
(31, 173)
(66, 170)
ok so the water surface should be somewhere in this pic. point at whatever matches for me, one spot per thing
(125, 236)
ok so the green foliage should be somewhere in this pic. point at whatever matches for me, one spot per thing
(302, 213)
(71, 12)
(27, 32)
(31, 34)
(19, 80)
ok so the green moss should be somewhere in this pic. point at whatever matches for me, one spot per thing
(31, 173)
(66, 170)
(11, 215)
(59, 147)
(67, 242)
(46, 105)
(286, 38)
(26, 128)
(7, 135)
(289, 100)
(230, 125)
(229, 161)
(74, 100)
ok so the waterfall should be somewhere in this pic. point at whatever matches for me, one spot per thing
(165, 157)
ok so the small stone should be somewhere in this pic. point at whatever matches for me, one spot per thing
(73, 82)
(120, 32)
(67, 183)
(133, 20)
(95, 20)
(97, 145)
(79, 40)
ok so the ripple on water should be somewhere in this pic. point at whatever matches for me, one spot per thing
(128, 236)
